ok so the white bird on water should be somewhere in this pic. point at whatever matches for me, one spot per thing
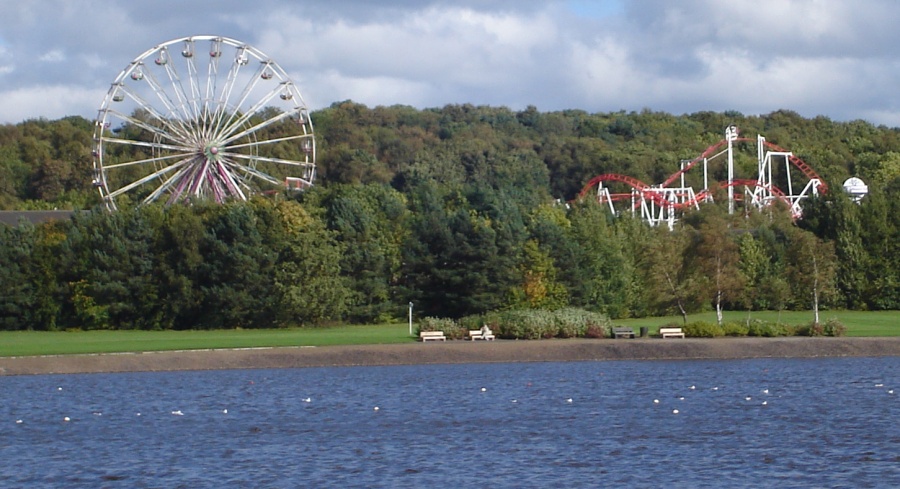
(308, 399)
(177, 413)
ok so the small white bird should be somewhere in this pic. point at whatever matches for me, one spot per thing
(764, 403)
(748, 398)
(656, 401)
(693, 387)
(483, 389)
(765, 391)
(891, 391)
(681, 398)
(177, 413)
(569, 400)
(67, 419)
(674, 411)
(513, 401)
(376, 408)
(879, 385)
(18, 421)
(308, 399)
(224, 411)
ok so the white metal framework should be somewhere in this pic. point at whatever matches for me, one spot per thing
(661, 203)
(202, 117)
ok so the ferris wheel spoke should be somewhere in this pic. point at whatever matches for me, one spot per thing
(147, 178)
(166, 185)
(177, 85)
(167, 101)
(146, 161)
(266, 159)
(271, 141)
(241, 59)
(143, 125)
(278, 118)
(146, 144)
(240, 121)
(232, 184)
(175, 128)
(249, 170)
(229, 122)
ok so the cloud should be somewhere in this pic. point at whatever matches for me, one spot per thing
(813, 56)
(54, 56)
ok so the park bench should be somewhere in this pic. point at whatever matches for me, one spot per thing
(477, 334)
(432, 336)
(671, 332)
(622, 332)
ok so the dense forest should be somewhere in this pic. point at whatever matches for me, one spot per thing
(461, 210)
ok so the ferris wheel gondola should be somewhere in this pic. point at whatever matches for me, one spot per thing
(181, 123)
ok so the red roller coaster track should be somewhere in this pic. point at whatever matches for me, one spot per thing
(653, 193)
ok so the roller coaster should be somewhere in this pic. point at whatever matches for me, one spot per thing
(663, 203)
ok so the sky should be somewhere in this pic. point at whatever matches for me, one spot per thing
(832, 58)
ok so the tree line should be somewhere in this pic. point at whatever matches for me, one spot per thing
(460, 210)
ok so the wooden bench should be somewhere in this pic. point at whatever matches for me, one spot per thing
(622, 332)
(432, 336)
(477, 334)
(671, 332)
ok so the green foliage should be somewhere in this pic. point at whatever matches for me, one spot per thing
(451, 328)
(461, 209)
(702, 329)
(735, 328)
(532, 324)
(770, 329)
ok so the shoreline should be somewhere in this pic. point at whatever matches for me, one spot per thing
(454, 352)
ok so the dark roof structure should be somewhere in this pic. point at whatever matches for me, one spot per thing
(13, 218)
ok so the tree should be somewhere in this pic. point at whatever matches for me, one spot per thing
(717, 257)
(308, 283)
(812, 269)
(669, 281)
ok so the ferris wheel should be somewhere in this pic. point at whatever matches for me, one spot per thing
(202, 117)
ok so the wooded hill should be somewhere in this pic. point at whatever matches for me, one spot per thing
(460, 210)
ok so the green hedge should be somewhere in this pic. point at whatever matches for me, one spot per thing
(526, 324)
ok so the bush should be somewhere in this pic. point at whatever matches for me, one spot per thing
(450, 328)
(757, 327)
(703, 329)
(576, 323)
(735, 329)
(525, 324)
(833, 327)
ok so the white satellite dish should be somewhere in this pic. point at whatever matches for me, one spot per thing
(855, 188)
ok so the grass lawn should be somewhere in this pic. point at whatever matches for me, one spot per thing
(26, 343)
(859, 323)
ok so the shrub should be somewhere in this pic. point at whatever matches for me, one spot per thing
(574, 323)
(703, 329)
(833, 327)
(525, 324)
(735, 329)
(450, 328)
(768, 329)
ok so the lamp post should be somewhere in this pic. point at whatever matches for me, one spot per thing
(410, 318)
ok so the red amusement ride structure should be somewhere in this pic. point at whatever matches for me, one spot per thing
(662, 203)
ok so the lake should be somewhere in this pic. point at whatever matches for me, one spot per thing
(738, 423)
